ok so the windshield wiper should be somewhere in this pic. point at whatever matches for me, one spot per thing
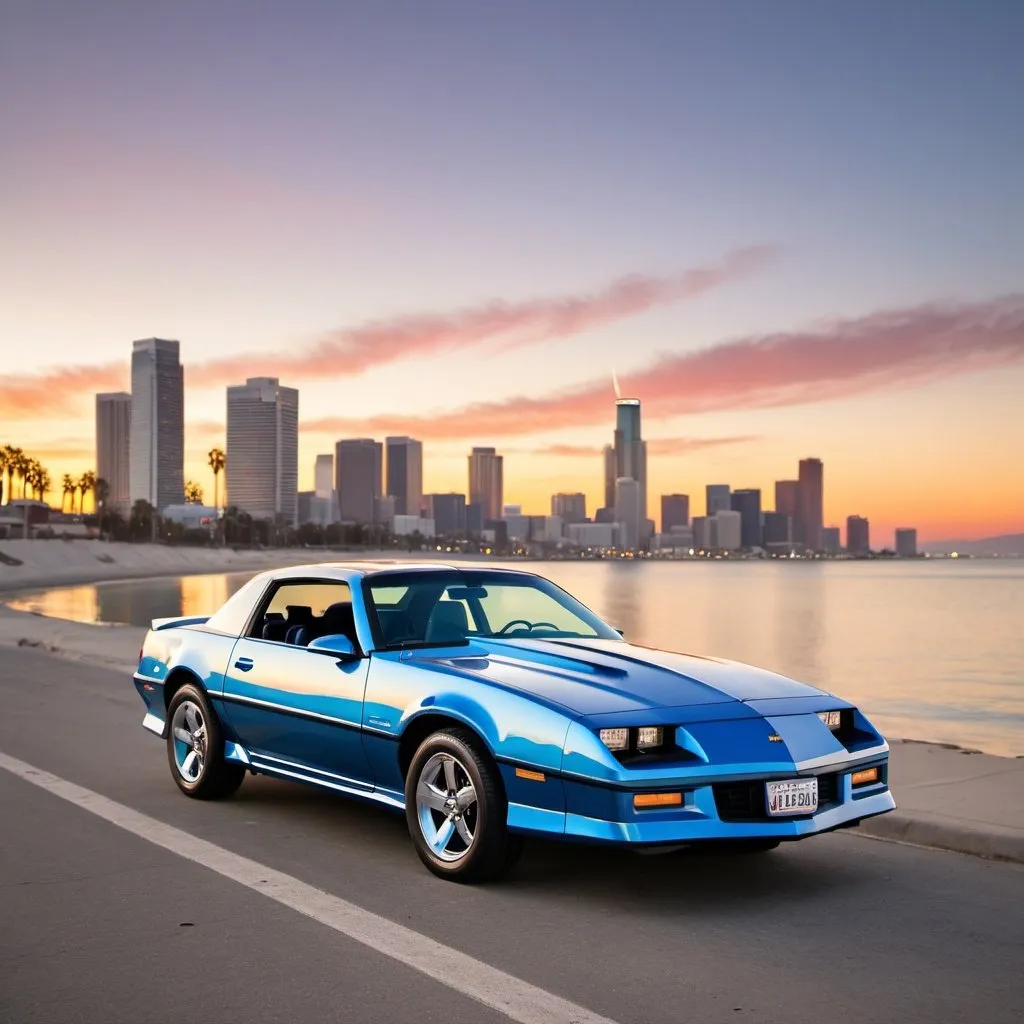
(408, 645)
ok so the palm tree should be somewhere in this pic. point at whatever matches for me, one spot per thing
(216, 460)
(5, 470)
(193, 493)
(18, 467)
(69, 486)
(44, 483)
(86, 482)
(101, 490)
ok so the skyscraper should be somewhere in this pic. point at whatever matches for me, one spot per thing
(628, 512)
(405, 474)
(448, 512)
(776, 533)
(631, 450)
(830, 540)
(262, 472)
(323, 475)
(486, 481)
(787, 498)
(571, 507)
(675, 511)
(748, 503)
(610, 475)
(906, 542)
(858, 535)
(113, 436)
(811, 511)
(718, 498)
(358, 477)
(157, 447)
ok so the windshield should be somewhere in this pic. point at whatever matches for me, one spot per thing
(453, 606)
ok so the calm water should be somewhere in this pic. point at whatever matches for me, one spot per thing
(930, 650)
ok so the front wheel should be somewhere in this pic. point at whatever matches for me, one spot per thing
(456, 809)
(195, 748)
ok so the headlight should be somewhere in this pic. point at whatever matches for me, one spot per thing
(831, 718)
(641, 740)
(615, 739)
(649, 736)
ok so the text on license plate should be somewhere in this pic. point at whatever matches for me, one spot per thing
(792, 797)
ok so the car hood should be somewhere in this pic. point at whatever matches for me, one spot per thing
(594, 677)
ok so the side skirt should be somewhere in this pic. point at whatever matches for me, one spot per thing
(287, 770)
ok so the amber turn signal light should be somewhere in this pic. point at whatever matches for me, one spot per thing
(864, 776)
(525, 773)
(644, 800)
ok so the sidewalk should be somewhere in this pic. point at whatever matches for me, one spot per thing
(947, 798)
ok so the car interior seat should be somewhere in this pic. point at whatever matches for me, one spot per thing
(448, 622)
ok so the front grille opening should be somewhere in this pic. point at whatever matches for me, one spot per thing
(746, 801)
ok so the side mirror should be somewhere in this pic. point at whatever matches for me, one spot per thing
(336, 644)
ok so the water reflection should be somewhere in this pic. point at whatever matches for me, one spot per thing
(930, 650)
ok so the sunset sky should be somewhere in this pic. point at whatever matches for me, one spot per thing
(791, 229)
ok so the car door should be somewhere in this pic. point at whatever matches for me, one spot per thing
(298, 711)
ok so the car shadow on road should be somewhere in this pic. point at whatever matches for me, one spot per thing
(708, 879)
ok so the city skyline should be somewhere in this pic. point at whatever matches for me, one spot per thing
(775, 250)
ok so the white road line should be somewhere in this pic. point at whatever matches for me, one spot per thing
(511, 996)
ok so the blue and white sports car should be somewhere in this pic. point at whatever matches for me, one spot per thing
(488, 704)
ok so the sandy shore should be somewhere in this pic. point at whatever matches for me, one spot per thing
(56, 563)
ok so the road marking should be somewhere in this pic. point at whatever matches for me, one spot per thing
(511, 996)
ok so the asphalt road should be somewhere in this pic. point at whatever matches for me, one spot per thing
(98, 924)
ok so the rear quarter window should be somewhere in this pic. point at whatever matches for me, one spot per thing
(235, 612)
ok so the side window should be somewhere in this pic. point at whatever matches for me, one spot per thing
(300, 611)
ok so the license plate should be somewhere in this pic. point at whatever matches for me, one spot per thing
(792, 797)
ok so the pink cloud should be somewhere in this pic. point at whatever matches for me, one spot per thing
(892, 349)
(350, 351)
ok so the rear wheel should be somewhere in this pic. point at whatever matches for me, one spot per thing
(195, 748)
(456, 809)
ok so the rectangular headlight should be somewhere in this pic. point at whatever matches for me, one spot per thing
(830, 718)
(650, 736)
(615, 739)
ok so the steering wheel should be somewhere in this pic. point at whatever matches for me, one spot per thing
(525, 622)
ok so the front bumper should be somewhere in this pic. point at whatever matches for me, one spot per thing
(710, 810)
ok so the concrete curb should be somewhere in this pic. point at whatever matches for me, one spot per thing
(992, 843)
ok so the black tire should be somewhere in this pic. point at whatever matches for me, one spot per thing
(213, 778)
(493, 849)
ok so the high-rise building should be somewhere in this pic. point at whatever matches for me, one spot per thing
(262, 472)
(702, 533)
(831, 543)
(718, 498)
(358, 479)
(157, 448)
(776, 533)
(627, 511)
(811, 509)
(474, 519)
(571, 507)
(113, 436)
(858, 540)
(323, 475)
(787, 499)
(675, 511)
(727, 530)
(610, 476)
(314, 509)
(448, 512)
(486, 481)
(748, 503)
(906, 542)
(405, 474)
(323, 484)
(631, 450)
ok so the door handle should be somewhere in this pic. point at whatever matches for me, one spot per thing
(244, 664)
